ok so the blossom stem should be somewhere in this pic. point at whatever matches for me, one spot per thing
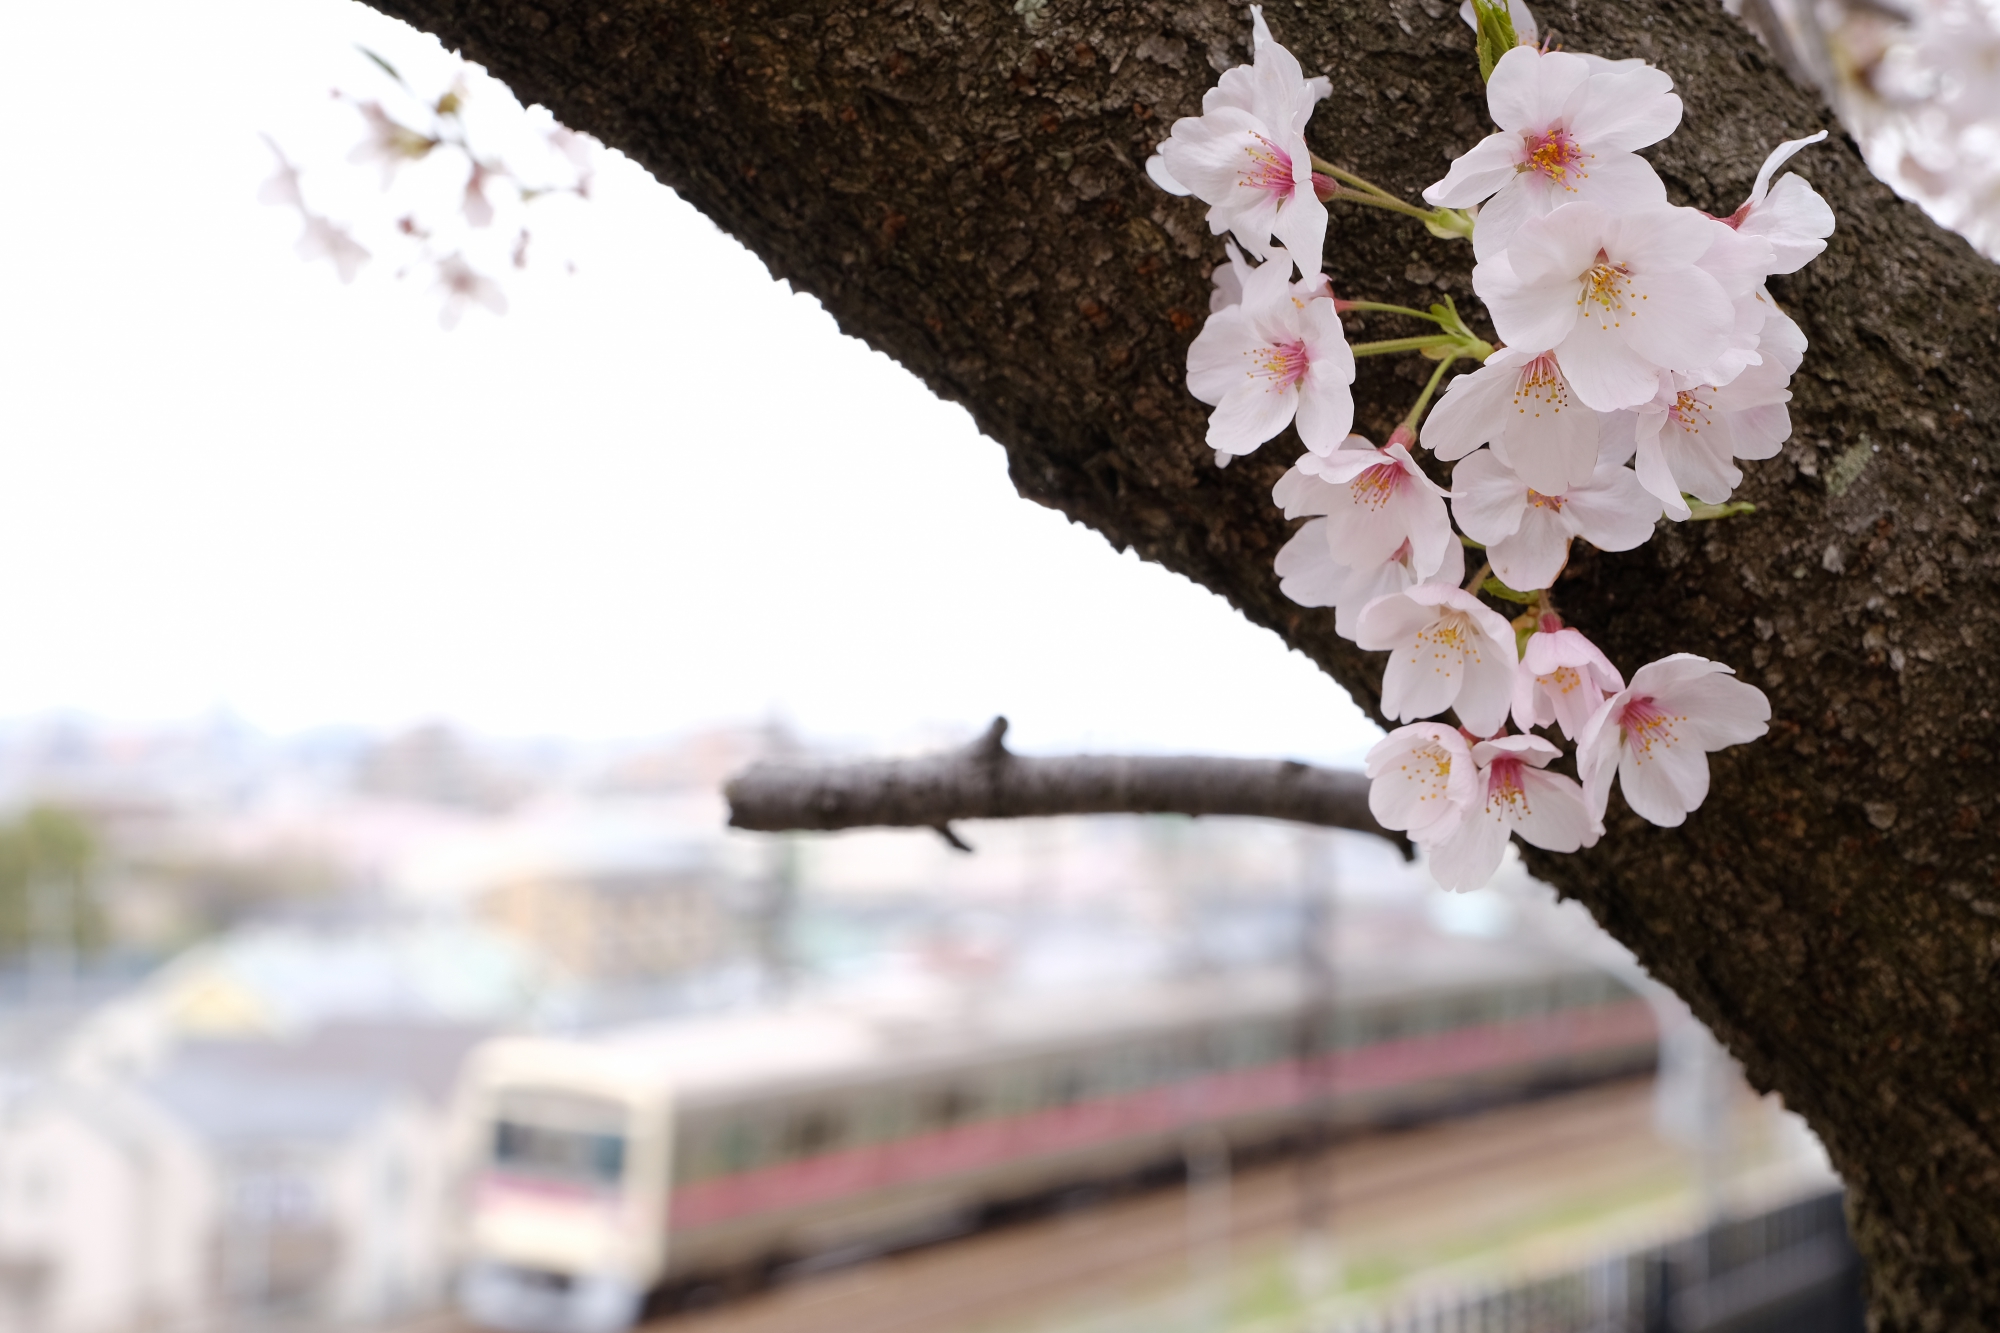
(1345, 306)
(1479, 576)
(1393, 204)
(1424, 398)
(1349, 178)
(1445, 223)
(1419, 344)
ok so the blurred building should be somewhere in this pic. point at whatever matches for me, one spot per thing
(619, 926)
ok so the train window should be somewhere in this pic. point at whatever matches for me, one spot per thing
(1065, 1086)
(1013, 1091)
(941, 1108)
(814, 1130)
(561, 1154)
(745, 1145)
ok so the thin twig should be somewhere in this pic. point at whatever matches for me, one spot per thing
(987, 781)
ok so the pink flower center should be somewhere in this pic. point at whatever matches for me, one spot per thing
(1554, 155)
(1377, 485)
(1270, 169)
(1608, 286)
(1541, 386)
(1284, 364)
(1505, 796)
(1540, 501)
(1647, 725)
(1689, 411)
(1563, 680)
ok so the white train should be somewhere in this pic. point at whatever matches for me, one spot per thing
(604, 1171)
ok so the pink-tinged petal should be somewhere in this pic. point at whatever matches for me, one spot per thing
(1602, 368)
(1528, 89)
(1469, 412)
(1621, 182)
(1532, 705)
(1657, 240)
(1531, 558)
(1156, 169)
(1363, 586)
(1468, 857)
(1326, 408)
(1528, 196)
(1555, 815)
(1617, 437)
(1614, 512)
(1300, 493)
(1795, 220)
(1662, 783)
(1250, 415)
(1301, 222)
(1487, 691)
(1550, 438)
(1216, 356)
(1525, 315)
(1597, 753)
(1421, 779)
(1738, 260)
(1779, 156)
(1531, 750)
(1559, 246)
(1429, 524)
(1390, 622)
(1451, 571)
(1487, 498)
(1307, 571)
(1626, 110)
(1654, 469)
(1548, 649)
(1696, 447)
(1423, 677)
(1761, 432)
(1721, 709)
(1477, 173)
(1683, 320)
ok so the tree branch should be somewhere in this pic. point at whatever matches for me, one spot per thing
(985, 780)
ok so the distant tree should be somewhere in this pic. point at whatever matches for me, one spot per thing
(49, 860)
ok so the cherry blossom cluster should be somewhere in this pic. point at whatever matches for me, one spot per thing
(1916, 83)
(458, 210)
(1639, 358)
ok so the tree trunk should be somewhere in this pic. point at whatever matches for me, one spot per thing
(961, 185)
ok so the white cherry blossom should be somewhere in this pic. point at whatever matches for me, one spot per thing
(1527, 533)
(1563, 679)
(1656, 734)
(1519, 403)
(1245, 155)
(1689, 434)
(1310, 576)
(1519, 796)
(1618, 297)
(1447, 650)
(1422, 780)
(1375, 500)
(1790, 214)
(1566, 133)
(1276, 355)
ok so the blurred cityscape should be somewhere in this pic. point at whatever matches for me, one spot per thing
(243, 976)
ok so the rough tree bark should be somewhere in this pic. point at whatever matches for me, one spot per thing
(961, 185)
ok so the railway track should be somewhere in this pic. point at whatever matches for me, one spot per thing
(1390, 1192)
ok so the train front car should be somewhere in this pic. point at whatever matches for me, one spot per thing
(562, 1159)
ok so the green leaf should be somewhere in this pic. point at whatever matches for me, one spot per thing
(1496, 33)
(390, 69)
(1495, 588)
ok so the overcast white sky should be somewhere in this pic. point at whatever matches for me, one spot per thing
(661, 493)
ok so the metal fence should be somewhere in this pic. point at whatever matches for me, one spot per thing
(1789, 1270)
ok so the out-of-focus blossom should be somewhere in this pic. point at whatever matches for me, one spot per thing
(324, 240)
(389, 142)
(464, 286)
